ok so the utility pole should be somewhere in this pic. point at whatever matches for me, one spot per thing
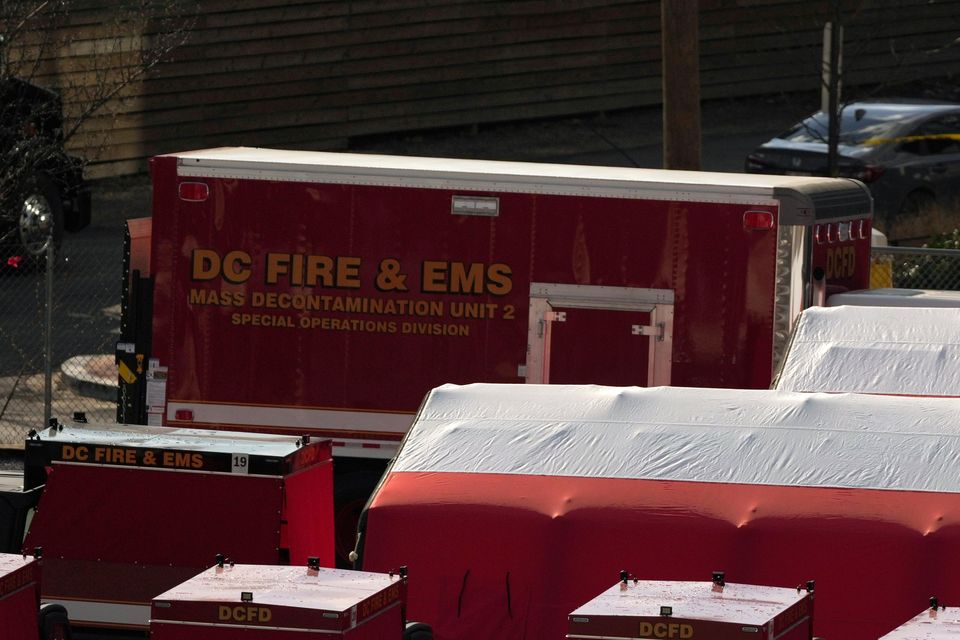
(680, 45)
(832, 34)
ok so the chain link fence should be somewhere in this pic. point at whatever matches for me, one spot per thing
(916, 268)
(58, 328)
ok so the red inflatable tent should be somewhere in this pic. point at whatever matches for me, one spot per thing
(514, 504)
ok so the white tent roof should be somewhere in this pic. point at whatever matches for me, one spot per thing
(672, 433)
(895, 350)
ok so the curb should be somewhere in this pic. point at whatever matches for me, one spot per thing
(94, 376)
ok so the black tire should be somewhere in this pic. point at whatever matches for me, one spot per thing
(351, 492)
(39, 212)
(53, 622)
(417, 631)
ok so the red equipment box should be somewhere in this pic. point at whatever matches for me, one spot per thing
(279, 602)
(19, 597)
(128, 512)
(635, 609)
(936, 623)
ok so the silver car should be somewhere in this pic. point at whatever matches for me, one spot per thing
(907, 153)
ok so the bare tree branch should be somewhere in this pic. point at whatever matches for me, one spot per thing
(62, 64)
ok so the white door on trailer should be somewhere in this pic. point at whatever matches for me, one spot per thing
(580, 334)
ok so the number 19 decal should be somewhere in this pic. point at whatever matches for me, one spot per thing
(240, 464)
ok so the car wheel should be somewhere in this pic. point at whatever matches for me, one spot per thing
(39, 217)
(351, 493)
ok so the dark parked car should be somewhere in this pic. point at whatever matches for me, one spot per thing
(906, 152)
(42, 190)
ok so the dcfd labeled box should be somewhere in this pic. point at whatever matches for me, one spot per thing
(936, 623)
(280, 602)
(641, 609)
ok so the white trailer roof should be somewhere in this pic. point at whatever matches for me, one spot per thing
(894, 350)
(803, 200)
(704, 435)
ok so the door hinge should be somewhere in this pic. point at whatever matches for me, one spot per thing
(552, 316)
(656, 330)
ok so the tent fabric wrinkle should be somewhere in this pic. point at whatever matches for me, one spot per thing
(561, 487)
(693, 435)
(888, 350)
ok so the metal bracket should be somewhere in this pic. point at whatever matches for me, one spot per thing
(657, 330)
(552, 316)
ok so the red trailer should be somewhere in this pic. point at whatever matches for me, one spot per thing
(513, 504)
(639, 609)
(19, 597)
(281, 602)
(327, 293)
(936, 623)
(127, 513)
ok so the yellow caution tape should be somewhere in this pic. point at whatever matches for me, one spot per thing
(941, 136)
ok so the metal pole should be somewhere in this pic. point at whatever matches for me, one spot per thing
(47, 338)
(833, 97)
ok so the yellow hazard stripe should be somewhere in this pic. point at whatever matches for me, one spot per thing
(126, 374)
